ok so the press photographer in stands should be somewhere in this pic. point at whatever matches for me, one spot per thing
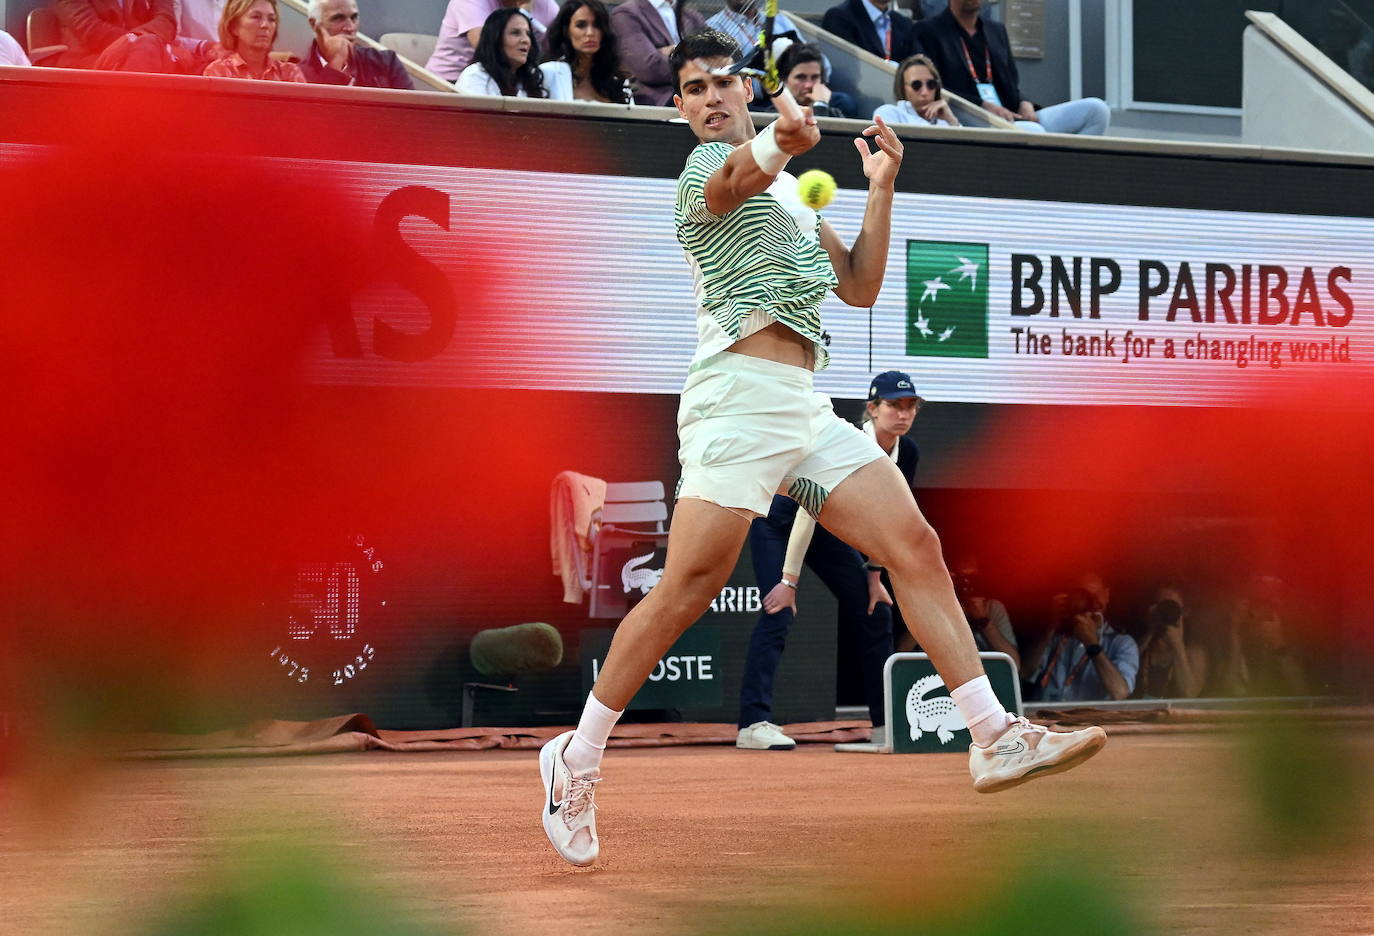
(1170, 666)
(582, 62)
(336, 57)
(987, 617)
(505, 59)
(1260, 657)
(247, 31)
(1082, 658)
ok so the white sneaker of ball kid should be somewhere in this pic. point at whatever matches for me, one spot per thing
(1026, 751)
(764, 736)
(569, 811)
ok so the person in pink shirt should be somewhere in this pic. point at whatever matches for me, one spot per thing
(463, 25)
(11, 52)
(247, 31)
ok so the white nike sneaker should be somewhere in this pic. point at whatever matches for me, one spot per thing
(764, 736)
(1026, 751)
(569, 812)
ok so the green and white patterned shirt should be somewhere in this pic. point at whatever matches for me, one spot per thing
(761, 263)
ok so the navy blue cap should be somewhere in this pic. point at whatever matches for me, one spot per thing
(892, 385)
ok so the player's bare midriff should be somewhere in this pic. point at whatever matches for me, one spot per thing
(777, 342)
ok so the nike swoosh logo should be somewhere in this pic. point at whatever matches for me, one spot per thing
(1019, 748)
(553, 807)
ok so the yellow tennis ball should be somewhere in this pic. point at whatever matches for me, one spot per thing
(817, 188)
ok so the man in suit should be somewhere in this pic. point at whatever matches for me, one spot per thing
(646, 31)
(89, 27)
(874, 25)
(974, 57)
(336, 58)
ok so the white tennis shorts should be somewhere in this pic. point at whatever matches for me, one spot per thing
(749, 428)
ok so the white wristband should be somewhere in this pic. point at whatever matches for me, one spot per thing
(765, 151)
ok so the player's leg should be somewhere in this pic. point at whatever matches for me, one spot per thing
(703, 544)
(874, 511)
(768, 548)
(742, 424)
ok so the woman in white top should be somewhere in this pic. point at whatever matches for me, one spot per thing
(581, 62)
(502, 64)
(919, 97)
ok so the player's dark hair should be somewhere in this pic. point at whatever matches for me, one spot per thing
(799, 53)
(707, 44)
(491, 55)
(607, 77)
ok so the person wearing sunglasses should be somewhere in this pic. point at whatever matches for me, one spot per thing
(918, 95)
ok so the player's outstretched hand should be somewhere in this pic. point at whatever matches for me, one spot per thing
(880, 167)
(795, 131)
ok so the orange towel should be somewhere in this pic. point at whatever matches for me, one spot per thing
(574, 513)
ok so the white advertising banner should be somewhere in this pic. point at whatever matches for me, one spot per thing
(985, 300)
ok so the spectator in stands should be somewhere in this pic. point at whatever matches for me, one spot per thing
(974, 56)
(874, 25)
(742, 21)
(462, 27)
(1171, 666)
(918, 95)
(802, 67)
(505, 59)
(582, 62)
(11, 52)
(247, 31)
(336, 58)
(1083, 658)
(93, 28)
(1260, 658)
(646, 31)
(987, 617)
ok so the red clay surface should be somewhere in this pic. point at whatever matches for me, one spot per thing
(691, 838)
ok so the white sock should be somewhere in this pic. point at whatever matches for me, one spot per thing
(984, 715)
(588, 743)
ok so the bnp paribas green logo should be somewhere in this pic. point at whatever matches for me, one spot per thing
(946, 299)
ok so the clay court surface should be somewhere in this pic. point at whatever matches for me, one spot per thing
(694, 839)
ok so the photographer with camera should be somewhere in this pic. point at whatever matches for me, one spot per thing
(987, 617)
(1260, 657)
(1083, 658)
(1170, 668)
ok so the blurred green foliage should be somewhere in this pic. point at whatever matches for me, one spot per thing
(1311, 789)
(1055, 898)
(287, 893)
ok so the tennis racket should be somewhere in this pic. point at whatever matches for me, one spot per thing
(761, 44)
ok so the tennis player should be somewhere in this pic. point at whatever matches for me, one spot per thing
(750, 425)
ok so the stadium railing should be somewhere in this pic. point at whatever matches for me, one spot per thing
(1296, 96)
